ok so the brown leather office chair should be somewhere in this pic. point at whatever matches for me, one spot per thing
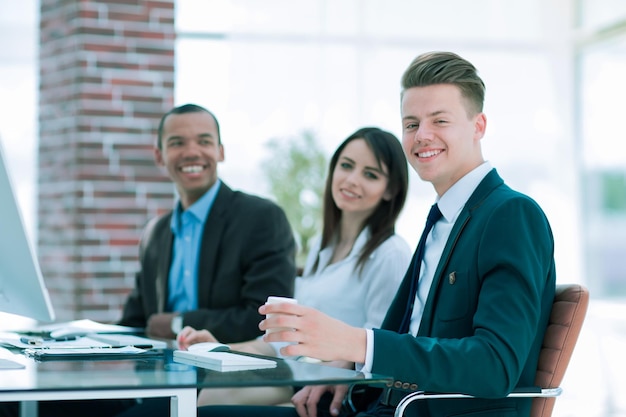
(566, 321)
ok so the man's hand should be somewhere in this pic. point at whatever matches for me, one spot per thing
(188, 336)
(160, 326)
(306, 400)
(313, 333)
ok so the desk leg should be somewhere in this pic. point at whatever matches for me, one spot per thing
(29, 409)
(183, 403)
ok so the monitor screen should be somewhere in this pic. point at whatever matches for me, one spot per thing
(22, 288)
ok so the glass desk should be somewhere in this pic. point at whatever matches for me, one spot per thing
(152, 377)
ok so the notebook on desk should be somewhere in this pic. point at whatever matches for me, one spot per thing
(222, 361)
(114, 339)
(91, 354)
(94, 340)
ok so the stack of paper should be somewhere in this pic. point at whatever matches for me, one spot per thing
(222, 361)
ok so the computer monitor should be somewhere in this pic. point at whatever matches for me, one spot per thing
(22, 288)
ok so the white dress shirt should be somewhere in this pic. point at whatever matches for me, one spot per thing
(360, 299)
(340, 291)
(450, 204)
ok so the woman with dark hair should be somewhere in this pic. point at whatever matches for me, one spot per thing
(353, 269)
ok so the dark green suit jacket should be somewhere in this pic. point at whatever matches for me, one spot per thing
(486, 313)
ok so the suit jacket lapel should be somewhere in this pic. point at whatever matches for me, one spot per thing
(396, 309)
(211, 239)
(163, 266)
(491, 181)
(427, 315)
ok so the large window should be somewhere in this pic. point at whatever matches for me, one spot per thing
(554, 71)
(276, 68)
(603, 161)
(554, 74)
(18, 103)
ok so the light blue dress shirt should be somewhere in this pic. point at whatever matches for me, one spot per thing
(187, 227)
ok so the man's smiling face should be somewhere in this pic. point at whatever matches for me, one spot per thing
(190, 151)
(441, 139)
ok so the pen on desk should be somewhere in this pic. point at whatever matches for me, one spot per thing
(33, 341)
(64, 338)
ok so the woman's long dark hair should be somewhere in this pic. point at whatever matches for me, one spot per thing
(388, 151)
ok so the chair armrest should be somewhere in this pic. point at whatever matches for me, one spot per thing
(522, 392)
(535, 392)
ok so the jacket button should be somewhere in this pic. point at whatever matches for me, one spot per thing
(413, 387)
(405, 385)
(397, 384)
(389, 384)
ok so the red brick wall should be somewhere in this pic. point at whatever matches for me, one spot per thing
(106, 77)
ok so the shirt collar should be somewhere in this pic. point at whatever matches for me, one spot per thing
(326, 253)
(361, 240)
(452, 202)
(199, 210)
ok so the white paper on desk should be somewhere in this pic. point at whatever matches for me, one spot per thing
(86, 326)
(89, 341)
(78, 328)
(13, 339)
(114, 339)
(222, 361)
(85, 351)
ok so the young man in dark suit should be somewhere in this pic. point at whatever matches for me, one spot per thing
(219, 254)
(471, 313)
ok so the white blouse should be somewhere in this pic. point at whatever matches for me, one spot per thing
(340, 291)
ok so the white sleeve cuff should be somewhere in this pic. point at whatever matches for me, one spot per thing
(177, 324)
(369, 353)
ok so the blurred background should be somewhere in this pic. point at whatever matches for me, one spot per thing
(277, 71)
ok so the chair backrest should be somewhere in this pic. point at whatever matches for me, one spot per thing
(566, 321)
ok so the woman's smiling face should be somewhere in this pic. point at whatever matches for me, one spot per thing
(359, 183)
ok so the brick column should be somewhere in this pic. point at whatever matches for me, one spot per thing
(106, 77)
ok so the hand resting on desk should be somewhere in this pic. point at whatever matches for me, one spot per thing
(189, 337)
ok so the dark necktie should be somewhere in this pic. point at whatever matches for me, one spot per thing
(433, 217)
